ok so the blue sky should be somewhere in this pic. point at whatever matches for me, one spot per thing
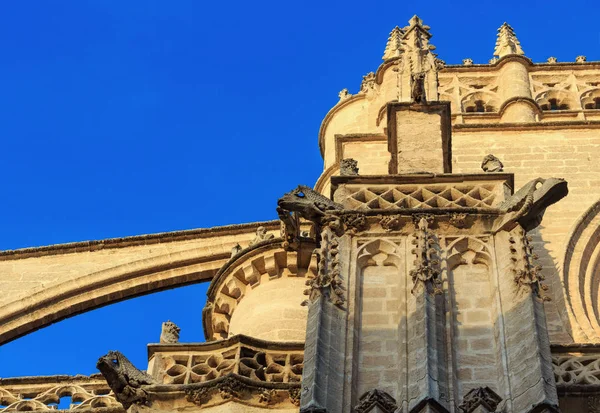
(124, 118)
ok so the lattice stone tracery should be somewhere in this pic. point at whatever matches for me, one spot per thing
(258, 364)
(417, 196)
(82, 399)
(576, 369)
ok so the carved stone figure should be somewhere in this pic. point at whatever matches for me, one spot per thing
(125, 380)
(261, 235)
(236, 250)
(418, 88)
(170, 332)
(481, 396)
(348, 167)
(309, 204)
(491, 164)
(528, 204)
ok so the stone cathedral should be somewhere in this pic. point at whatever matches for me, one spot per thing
(447, 260)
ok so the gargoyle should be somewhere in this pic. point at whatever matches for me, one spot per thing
(126, 381)
(528, 204)
(307, 203)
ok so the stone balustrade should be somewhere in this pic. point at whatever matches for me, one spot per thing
(43, 393)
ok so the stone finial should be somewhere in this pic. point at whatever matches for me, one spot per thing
(507, 42)
(393, 48)
(467, 62)
(493, 60)
(552, 59)
(580, 59)
(491, 164)
(348, 167)
(344, 94)
(368, 82)
(170, 332)
(480, 396)
(261, 235)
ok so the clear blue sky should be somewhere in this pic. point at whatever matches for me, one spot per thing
(121, 118)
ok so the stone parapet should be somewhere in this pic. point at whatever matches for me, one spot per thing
(43, 393)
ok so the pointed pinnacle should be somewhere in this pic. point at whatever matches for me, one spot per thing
(393, 48)
(507, 42)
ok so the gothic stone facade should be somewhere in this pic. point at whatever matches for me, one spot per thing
(441, 263)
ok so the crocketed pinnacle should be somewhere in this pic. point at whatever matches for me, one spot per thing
(393, 48)
(507, 42)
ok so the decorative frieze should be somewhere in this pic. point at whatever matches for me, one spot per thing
(361, 197)
(235, 388)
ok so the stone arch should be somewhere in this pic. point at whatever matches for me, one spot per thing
(171, 260)
(458, 247)
(591, 99)
(550, 100)
(370, 252)
(581, 272)
(480, 101)
(105, 287)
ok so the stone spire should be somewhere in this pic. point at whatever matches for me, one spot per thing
(507, 42)
(393, 48)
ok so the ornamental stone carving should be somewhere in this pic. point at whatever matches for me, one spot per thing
(261, 235)
(376, 400)
(426, 272)
(491, 164)
(125, 380)
(170, 332)
(348, 167)
(328, 280)
(481, 396)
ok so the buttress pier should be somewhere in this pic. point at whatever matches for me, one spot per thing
(427, 296)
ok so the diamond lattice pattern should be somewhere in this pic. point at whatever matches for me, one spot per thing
(418, 196)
